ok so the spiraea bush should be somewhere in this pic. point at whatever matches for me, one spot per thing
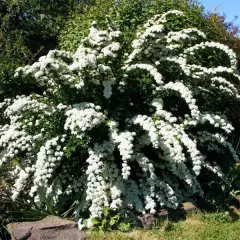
(127, 127)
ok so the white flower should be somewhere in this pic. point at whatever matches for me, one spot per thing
(144, 133)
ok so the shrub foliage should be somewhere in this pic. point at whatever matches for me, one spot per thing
(128, 16)
(139, 126)
(28, 30)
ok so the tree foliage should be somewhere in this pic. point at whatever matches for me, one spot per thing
(28, 30)
(225, 31)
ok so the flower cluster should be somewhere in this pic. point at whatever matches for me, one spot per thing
(122, 127)
(124, 141)
(231, 55)
(83, 117)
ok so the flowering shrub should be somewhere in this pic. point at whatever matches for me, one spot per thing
(119, 128)
(128, 16)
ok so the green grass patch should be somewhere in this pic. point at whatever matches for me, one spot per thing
(197, 227)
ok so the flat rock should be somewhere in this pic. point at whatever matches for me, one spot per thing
(235, 201)
(163, 214)
(237, 198)
(50, 227)
(188, 206)
(147, 220)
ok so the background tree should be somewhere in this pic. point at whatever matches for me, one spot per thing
(28, 30)
(226, 31)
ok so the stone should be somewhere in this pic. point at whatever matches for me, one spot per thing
(19, 231)
(234, 213)
(235, 201)
(147, 220)
(188, 207)
(163, 214)
(50, 227)
(237, 198)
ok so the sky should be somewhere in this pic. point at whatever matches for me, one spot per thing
(230, 7)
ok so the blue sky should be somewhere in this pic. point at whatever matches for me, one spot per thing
(230, 7)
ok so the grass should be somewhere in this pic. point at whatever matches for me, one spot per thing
(215, 226)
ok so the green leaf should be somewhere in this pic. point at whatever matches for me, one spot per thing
(106, 211)
(96, 221)
(124, 227)
(104, 223)
(112, 222)
(116, 217)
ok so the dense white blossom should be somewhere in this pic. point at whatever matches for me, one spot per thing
(112, 129)
(83, 117)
